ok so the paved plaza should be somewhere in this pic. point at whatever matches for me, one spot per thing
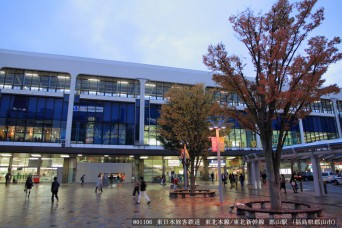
(79, 206)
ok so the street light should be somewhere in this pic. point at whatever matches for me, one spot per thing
(218, 126)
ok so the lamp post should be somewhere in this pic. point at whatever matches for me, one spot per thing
(218, 127)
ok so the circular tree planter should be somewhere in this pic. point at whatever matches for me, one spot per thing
(251, 207)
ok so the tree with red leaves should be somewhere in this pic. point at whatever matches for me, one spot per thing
(286, 81)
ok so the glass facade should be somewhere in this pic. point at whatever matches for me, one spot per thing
(152, 113)
(319, 128)
(103, 122)
(156, 90)
(322, 106)
(32, 118)
(107, 86)
(22, 165)
(229, 99)
(19, 79)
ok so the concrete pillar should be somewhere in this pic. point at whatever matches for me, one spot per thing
(142, 111)
(337, 118)
(333, 168)
(141, 168)
(256, 184)
(299, 165)
(71, 170)
(10, 164)
(163, 172)
(249, 173)
(301, 131)
(259, 145)
(316, 169)
(206, 170)
(70, 109)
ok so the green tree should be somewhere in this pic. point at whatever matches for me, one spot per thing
(184, 119)
(286, 80)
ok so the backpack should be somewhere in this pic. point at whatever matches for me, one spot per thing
(29, 184)
(142, 186)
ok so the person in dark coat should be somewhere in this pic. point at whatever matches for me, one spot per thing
(54, 189)
(283, 182)
(242, 179)
(212, 176)
(224, 179)
(7, 178)
(28, 186)
(82, 179)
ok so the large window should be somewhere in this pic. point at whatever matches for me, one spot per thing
(97, 122)
(319, 128)
(229, 99)
(107, 86)
(32, 119)
(156, 90)
(152, 113)
(20, 79)
(322, 106)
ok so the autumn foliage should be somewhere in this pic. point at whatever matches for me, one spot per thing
(288, 72)
(184, 119)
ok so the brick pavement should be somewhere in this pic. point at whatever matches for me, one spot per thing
(79, 206)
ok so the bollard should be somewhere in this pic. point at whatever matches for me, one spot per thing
(301, 186)
(325, 187)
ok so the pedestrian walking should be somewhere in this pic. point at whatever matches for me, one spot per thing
(224, 179)
(28, 186)
(242, 179)
(7, 178)
(212, 176)
(283, 182)
(82, 179)
(294, 184)
(263, 177)
(236, 178)
(99, 183)
(231, 178)
(163, 179)
(54, 189)
(136, 188)
(143, 191)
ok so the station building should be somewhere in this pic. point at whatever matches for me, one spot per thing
(70, 116)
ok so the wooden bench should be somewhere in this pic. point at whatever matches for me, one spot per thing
(183, 192)
(310, 211)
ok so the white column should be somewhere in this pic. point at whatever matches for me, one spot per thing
(337, 118)
(142, 110)
(256, 175)
(259, 145)
(250, 173)
(70, 109)
(318, 184)
(301, 131)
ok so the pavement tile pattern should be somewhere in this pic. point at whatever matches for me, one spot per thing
(80, 206)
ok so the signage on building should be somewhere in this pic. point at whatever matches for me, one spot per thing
(173, 162)
(88, 109)
(214, 144)
(235, 162)
(214, 163)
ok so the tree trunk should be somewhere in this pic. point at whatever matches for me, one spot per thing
(192, 177)
(272, 170)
